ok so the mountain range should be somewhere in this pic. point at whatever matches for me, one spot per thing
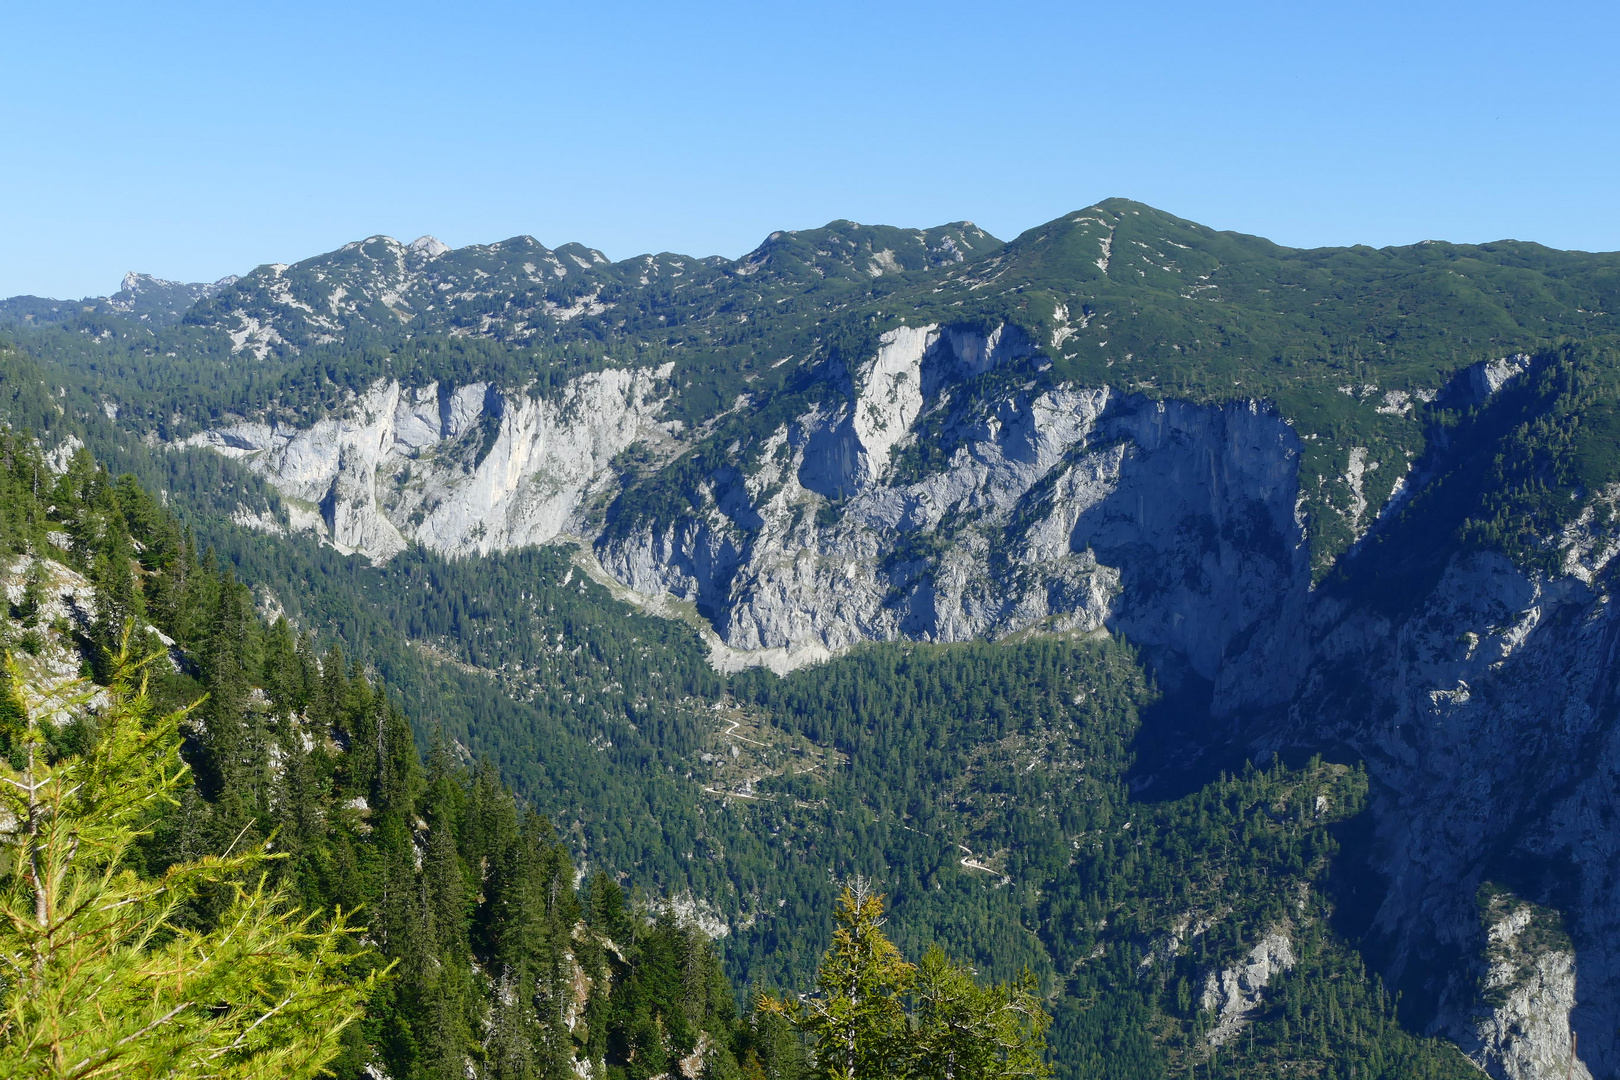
(975, 566)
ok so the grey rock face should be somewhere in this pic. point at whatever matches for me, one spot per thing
(1484, 706)
(459, 470)
(1486, 714)
(1521, 1030)
(1234, 992)
(1065, 507)
(1061, 507)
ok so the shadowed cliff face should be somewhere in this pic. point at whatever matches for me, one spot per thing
(1485, 710)
(946, 488)
(1482, 695)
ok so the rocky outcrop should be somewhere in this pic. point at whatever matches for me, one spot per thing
(1233, 992)
(1485, 709)
(459, 470)
(1059, 507)
(1519, 1029)
(47, 653)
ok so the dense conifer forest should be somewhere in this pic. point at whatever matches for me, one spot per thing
(470, 900)
(493, 950)
(581, 845)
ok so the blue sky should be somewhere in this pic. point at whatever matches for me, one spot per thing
(195, 140)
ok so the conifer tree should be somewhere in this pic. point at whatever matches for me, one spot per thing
(33, 595)
(874, 1016)
(98, 975)
(856, 1020)
(446, 1002)
(967, 1030)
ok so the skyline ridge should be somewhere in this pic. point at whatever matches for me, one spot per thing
(432, 237)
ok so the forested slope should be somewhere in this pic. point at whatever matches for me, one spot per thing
(1346, 512)
(469, 897)
(983, 785)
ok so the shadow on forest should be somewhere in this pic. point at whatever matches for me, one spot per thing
(1179, 746)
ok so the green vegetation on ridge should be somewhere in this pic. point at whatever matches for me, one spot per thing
(983, 786)
(1014, 753)
(1118, 294)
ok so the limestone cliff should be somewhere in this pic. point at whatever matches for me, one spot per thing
(459, 470)
(946, 488)
(1481, 691)
(1232, 993)
(1519, 1028)
(1485, 711)
(1059, 506)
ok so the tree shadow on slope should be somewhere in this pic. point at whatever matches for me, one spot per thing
(1180, 745)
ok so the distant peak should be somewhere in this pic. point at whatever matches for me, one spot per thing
(134, 282)
(429, 246)
(137, 283)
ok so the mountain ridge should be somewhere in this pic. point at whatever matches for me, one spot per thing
(150, 299)
(944, 237)
(1351, 501)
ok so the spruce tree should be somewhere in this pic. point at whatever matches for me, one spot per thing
(101, 978)
(874, 1016)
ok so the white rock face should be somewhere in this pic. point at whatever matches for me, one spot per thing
(1231, 994)
(1528, 990)
(691, 911)
(1067, 508)
(890, 395)
(430, 247)
(1058, 507)
(459, 470)
(1489, 376)
(1590, 542)
(1061, 507)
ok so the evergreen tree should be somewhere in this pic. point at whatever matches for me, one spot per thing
(856, 1021)
(26, 610)
(100, 978)
(966, 1030)
(874, 1016)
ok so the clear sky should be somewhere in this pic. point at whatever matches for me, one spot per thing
(195, 140)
